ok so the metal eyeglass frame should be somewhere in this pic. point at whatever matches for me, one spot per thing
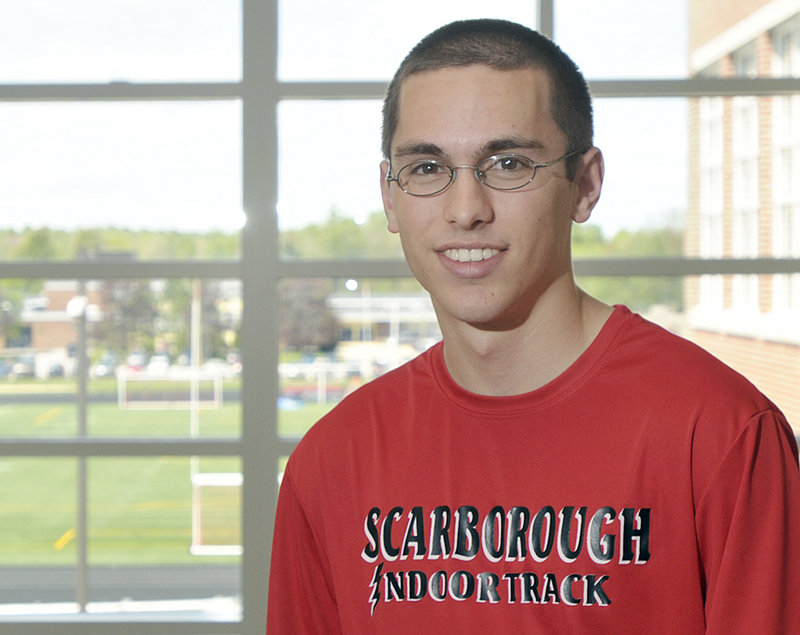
(479, 175)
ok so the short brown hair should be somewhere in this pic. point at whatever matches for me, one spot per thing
(501, 45)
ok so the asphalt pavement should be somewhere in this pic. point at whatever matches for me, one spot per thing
(110, 584)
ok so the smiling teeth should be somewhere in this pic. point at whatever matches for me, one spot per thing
(470, 255)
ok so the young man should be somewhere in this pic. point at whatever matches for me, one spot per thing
(556, 464)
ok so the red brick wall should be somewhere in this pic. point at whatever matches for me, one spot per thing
(52, 335)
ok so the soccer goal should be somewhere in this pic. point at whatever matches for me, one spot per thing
(173, 391)
(216, 513)
(216, 496)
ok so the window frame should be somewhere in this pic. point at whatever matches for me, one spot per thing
(260, 269)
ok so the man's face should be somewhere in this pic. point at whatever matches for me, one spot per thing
(486, 256)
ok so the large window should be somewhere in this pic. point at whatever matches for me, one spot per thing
(746, 150)
(786, 229)
(194, 263)
(712, 144)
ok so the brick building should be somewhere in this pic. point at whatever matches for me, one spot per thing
(744, 192)
(51, 325)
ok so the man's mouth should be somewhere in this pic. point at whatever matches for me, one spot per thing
(470, 255)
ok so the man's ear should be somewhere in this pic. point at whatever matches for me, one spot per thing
(388, 206)
(588, 182)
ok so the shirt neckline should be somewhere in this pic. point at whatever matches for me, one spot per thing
(557, 389)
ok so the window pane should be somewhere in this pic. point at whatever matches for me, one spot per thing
(786, 43)
(48, 41)
(351, 331)
(325, 169)
(129, 166)
(163, 538)
(180, 511)
(37, 357)
(624, 38)
(37, 529)
(645, 146)
(37, 509)
(350, 39)
(140, 340)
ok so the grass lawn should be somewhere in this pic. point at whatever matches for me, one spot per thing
(139, 509)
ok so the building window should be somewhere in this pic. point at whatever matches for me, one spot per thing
(746, 150)
(786, 159)
(711, 196)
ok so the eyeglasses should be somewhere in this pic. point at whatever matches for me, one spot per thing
(428, 177)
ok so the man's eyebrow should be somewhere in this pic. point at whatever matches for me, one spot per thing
(410, 149)
(490, 147)
(510, 143)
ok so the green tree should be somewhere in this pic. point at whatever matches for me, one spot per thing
(175, 309)
(306, 321)
(37, 244)
(212, 321)
(132, 323)
(341, 237)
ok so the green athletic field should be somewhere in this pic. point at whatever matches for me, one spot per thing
(139, 509)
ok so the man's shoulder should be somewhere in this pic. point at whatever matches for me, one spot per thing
(659, 360)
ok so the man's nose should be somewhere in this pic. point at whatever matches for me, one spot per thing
(467, 203)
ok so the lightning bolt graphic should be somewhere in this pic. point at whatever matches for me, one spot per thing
(375, 585)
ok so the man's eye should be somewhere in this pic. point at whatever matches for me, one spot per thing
(507, 164)
(428, 168)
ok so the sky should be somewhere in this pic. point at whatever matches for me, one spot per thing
(178, 165)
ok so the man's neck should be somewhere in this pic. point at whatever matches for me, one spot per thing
(519, 360)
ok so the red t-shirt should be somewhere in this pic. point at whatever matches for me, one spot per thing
(649, 488)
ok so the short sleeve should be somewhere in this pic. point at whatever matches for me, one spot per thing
(748, 531)
(298, 603)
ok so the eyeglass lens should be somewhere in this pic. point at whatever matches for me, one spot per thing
(502, 172)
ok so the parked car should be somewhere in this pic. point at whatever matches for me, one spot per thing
(55, 370)
(136, 361)
(107, 366)
(218, 367)
(159, 364)
(24, 367)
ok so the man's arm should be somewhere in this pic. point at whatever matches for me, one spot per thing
(298, 603)
(748, 527)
